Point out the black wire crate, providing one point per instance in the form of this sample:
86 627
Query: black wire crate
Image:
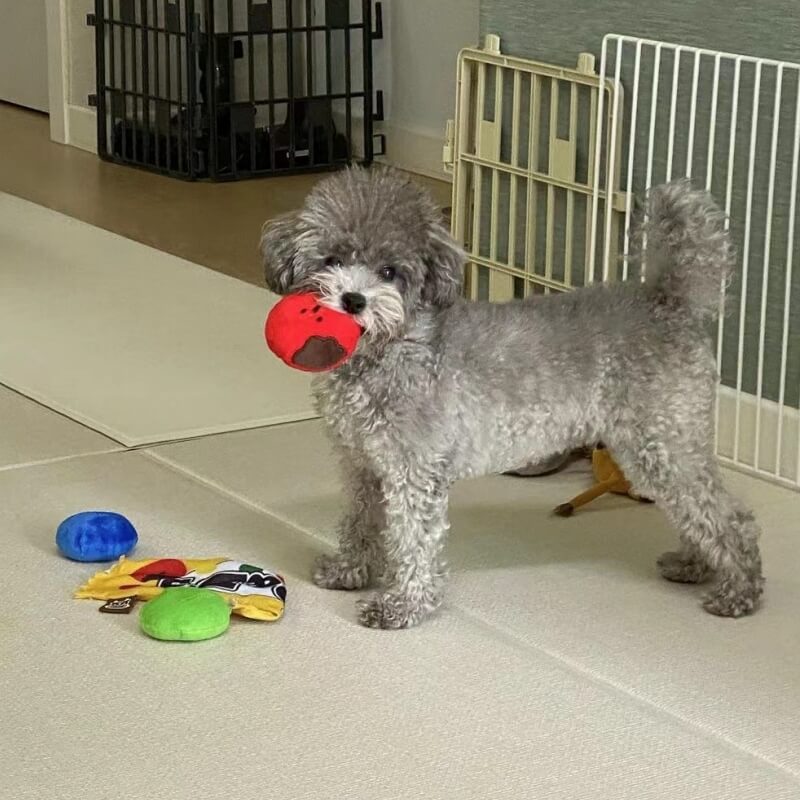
232 89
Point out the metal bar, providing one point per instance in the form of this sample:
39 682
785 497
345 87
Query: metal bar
692 115
146 80
728 198
569 221
251 84
712 129
515 272
588 257
157 89
290 80
211 89
515 112
168 82
539 177
123 55
231 93
651 143
179 74
765 264
550 209
676 66
706 52
309 80
477 179
530 67
475 243
653 114
746 257
611 166
100 40
271 92
461 172
135 33
788 288
329 88
368 87
531 199
190 43
348 109
637 62
598 146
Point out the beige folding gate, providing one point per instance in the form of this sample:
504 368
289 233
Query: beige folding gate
522 150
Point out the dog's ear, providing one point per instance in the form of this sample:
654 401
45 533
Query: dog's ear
444 262
278 249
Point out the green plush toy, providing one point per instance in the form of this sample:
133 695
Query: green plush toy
185 614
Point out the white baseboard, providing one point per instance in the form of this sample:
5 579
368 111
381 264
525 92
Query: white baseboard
415 151
82 128
408 149
745 455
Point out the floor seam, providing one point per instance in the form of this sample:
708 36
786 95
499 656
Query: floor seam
61 459
500 631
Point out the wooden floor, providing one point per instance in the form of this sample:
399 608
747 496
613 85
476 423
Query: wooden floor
214 224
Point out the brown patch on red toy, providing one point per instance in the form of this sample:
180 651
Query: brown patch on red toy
309 336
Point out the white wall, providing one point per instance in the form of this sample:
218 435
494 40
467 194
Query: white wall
423 38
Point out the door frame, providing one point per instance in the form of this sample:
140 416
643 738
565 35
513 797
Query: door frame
75 125
57 74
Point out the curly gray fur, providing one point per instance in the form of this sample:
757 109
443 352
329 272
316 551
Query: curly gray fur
689 255
440 389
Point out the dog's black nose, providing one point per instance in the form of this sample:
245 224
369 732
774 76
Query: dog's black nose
354 302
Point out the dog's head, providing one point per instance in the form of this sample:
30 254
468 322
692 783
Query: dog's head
369 242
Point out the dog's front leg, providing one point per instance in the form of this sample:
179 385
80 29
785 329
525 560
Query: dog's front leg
415 532
359 557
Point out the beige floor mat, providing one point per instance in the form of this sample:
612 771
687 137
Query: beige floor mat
137 344
583 589
312 706
32 434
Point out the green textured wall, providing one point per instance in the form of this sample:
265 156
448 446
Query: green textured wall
557 30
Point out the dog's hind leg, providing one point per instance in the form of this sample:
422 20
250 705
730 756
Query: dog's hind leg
718 535
686 565
359 559
415 532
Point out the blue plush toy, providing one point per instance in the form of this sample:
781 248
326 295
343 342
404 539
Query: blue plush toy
96 536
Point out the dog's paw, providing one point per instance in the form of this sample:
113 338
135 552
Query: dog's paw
680 568
337 572
389 610
734 598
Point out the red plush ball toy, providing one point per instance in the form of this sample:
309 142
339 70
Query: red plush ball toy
310 336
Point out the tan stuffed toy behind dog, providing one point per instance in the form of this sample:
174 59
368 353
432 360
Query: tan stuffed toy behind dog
608 477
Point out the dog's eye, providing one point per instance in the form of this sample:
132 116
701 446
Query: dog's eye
387 273
333 261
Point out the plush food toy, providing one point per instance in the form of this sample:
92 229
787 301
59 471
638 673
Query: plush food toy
249 591
309 336
608 478
185 615
96 536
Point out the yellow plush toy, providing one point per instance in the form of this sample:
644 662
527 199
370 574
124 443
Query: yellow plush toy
250 591
608 477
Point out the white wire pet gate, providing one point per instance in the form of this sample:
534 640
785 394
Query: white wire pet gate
536 149
731 122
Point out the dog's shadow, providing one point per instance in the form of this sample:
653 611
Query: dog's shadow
614 530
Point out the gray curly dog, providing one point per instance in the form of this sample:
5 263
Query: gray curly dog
441 389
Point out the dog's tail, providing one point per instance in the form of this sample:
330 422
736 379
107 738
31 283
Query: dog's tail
688 253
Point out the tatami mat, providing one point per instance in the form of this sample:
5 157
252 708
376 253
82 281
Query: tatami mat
583 589
32 433
312 706
137 344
